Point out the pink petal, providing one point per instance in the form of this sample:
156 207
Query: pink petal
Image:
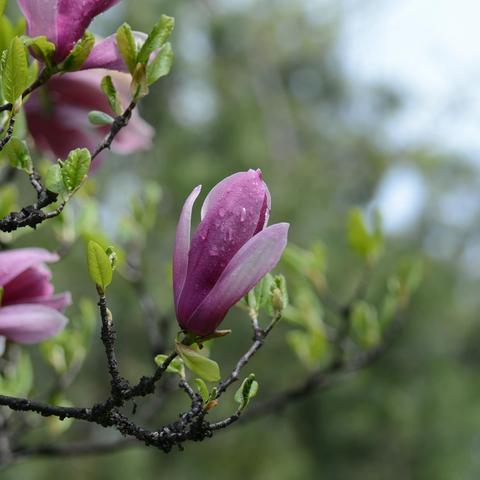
14 262
182 244
33 282
30 323
73 18
58 302
135 137
253 261
41 17
105 54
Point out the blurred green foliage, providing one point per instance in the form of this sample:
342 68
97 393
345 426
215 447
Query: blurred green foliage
263 87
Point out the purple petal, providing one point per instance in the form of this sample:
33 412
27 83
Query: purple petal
182 245
253 261
14 262
33 282
30 323
231 216
41 16
135 137
64 126
73 18
58 302
105 54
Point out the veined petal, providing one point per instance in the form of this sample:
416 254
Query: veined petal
182 245
41 16
231 216
253 261
30 323
14 262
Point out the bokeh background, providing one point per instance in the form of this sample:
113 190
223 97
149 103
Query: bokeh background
341 103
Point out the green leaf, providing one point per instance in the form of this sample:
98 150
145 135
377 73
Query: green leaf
247 391
18 380
15 71
259 296
42 48
7 32
197 363
126 46
364 325
311 263
202 389
110 91
54 179
367 244
75 168
158 36
176 365
139 87
18 155
161 64
99 265
8 200
96 117
311 346
3 4
79 54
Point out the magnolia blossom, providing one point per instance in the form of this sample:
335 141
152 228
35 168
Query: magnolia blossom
57 115
230 251
29 310
64 22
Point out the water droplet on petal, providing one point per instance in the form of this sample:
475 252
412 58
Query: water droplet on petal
221 212
243 214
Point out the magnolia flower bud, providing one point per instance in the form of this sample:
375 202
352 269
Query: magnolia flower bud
231 250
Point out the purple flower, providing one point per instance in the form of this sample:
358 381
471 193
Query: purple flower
57 115
63 22
29 310
231 250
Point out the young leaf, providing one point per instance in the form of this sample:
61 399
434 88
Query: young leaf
75 168
202 389
176 365
279 294
99 265
126 46
18 155
7 32
158 36
247 391
365 327
15 71
54 179
139 87
161 64
96 117
110 91
79 54
42 48
367 244
3 4
197 363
